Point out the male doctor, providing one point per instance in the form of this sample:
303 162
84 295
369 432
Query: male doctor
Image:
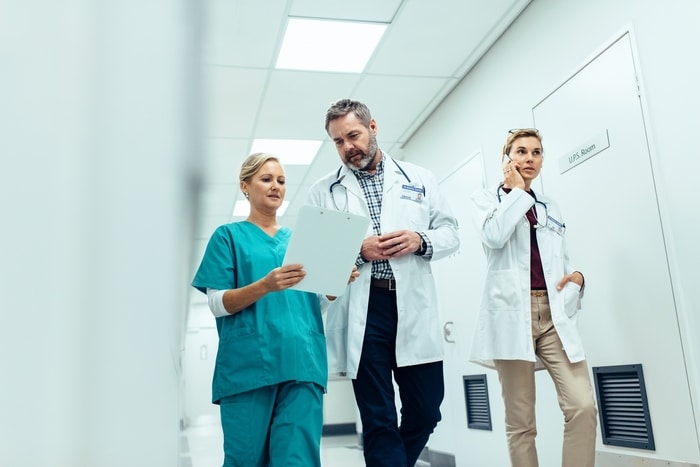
387 320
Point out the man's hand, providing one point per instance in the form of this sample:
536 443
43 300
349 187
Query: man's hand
391 245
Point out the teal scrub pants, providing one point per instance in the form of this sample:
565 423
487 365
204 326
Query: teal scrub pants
274 426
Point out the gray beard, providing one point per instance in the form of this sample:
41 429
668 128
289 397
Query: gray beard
368 158
364 162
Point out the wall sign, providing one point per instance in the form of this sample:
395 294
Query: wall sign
584 151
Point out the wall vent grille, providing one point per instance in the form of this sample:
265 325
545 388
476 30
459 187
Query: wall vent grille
476 395
623 406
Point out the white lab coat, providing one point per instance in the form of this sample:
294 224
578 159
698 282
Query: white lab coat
503 329
419 333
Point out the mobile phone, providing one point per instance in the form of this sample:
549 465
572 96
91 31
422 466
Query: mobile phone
516 167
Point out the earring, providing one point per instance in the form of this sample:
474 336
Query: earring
245 194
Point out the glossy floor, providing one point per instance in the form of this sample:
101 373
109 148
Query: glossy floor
202 447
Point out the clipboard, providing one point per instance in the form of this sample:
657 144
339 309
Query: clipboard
326 242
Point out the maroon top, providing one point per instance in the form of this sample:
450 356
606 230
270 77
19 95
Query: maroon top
537 281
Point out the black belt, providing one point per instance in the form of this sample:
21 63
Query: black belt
384 283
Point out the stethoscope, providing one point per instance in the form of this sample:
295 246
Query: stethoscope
533 209
339 179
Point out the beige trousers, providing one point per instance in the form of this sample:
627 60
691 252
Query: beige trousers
574 391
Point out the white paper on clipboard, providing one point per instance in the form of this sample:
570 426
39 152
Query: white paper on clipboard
327 243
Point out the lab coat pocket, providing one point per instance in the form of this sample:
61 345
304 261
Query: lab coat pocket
417 213
571 298
503 291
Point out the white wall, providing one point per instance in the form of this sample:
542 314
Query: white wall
96 202
548 43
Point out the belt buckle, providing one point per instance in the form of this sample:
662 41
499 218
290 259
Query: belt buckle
392 284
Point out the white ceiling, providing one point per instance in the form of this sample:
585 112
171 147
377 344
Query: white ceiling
426 50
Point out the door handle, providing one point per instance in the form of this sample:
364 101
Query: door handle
447 332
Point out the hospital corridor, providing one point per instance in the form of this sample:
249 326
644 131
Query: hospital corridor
124 128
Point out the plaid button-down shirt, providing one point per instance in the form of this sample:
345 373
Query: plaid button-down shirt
373 186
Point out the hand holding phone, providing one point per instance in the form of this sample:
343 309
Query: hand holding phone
508 169
510 164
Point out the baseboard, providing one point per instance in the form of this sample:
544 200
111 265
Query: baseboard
610 459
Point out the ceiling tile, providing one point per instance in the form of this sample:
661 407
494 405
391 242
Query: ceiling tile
434 38
357 10
397 100
294 174
326 161
295 103
242 32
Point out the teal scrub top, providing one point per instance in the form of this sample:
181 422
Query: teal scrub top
276 339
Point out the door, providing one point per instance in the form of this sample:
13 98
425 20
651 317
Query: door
597 166
460 280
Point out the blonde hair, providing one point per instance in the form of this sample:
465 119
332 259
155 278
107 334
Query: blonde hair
519 133
253 163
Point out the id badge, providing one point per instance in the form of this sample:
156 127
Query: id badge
555 225
413 192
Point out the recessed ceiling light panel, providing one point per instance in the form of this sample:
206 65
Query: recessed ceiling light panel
289 151
323 45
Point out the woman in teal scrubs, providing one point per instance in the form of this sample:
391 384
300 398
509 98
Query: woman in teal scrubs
271 369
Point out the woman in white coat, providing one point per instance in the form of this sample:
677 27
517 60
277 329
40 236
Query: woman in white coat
528 314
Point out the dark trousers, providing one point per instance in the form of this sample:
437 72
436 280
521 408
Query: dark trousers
421 390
